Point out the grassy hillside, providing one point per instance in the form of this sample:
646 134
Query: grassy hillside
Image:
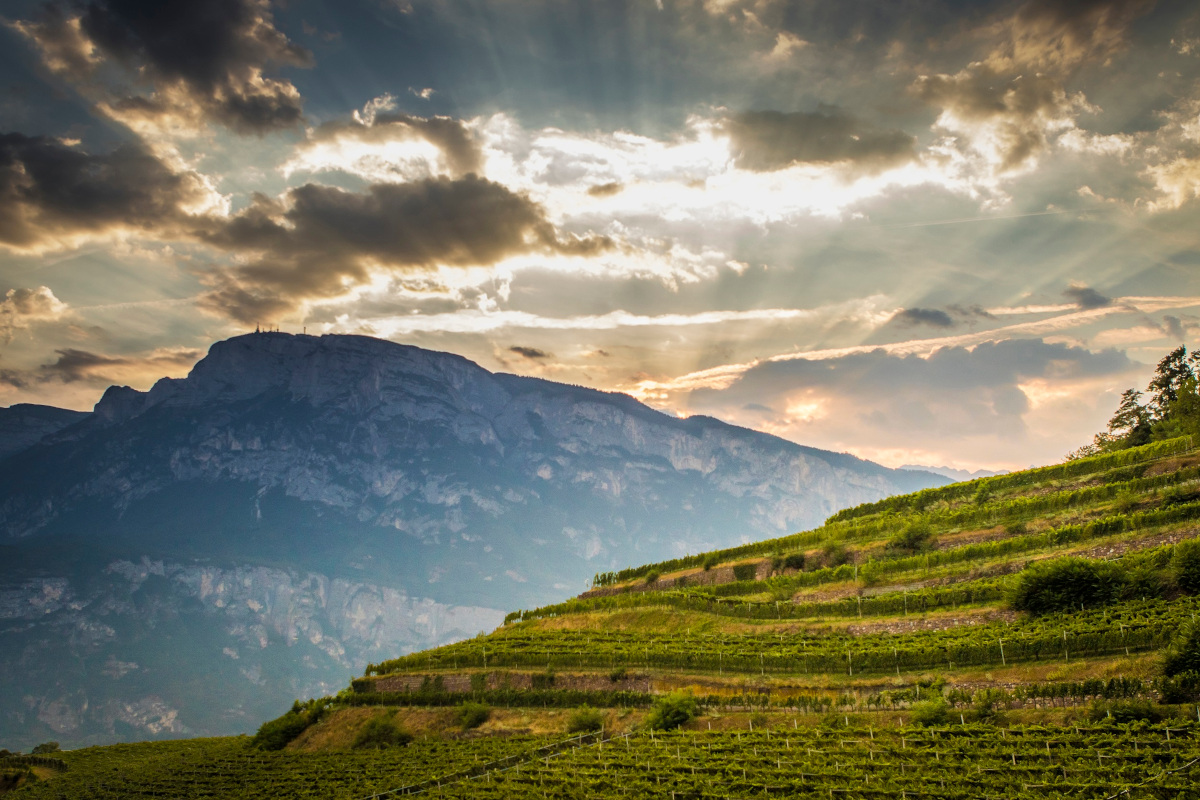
1027 635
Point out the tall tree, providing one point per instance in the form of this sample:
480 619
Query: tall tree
1169 377
1131 424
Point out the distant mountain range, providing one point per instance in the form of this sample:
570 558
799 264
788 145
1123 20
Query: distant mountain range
190 559
956 475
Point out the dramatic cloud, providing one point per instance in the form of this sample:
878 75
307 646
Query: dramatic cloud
53 195
1008 120
21 307
923 316
1062 34
912 405
381 146
1086 297
320 241
82 366
769 140
202 58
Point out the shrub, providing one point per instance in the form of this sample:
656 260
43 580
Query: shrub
672 710
745 572
617 675
543 681
793 561
472 715
584 720
1184 653
652 577
1185 566
1125 711
45 747
834 555
759 720
984 704
275 734
930 712
379 733
1066 584
914 537
710 562
1182 688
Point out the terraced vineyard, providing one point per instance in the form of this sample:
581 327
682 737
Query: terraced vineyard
1026 635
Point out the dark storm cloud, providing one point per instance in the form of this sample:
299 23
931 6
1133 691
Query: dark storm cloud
923 316
212 54
449 135
1086 297
771 140
49 191
529 352
320 239
78 365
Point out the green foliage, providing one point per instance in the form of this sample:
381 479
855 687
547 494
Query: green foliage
915 537
472 715
1183 655
930 712
711 561
617 675
672 710
835 554
745 572
381 732
544 680
1185 566
652 577
1124 711
45 747
584 720
1181 688
1066 584
275 734
793 561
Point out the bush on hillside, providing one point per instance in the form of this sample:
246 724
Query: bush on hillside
1184 653
45 747
672 710
710 562
931 712
793 561
1185 566
472 715
652 577
915 537
745 572
275 734
1066 584
834 555
1181 688
584 720
379 733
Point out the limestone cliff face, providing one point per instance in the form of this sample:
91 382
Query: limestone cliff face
300 505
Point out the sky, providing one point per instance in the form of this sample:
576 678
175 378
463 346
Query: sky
923 232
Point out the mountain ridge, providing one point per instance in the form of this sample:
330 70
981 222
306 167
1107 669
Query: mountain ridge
305 461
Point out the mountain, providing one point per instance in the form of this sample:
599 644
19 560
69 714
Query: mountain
956 475
181 561
23 425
